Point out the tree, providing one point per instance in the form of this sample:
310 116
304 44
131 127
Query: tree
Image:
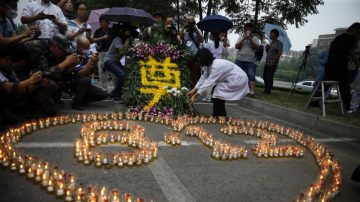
280 12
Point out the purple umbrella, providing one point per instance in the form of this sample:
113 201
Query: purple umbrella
94 18
126 14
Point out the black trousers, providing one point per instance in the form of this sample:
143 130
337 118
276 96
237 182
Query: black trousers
84 92
268 76
342 76
218 107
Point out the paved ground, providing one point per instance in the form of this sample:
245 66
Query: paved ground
186 173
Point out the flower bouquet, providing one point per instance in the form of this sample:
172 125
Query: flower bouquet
158 79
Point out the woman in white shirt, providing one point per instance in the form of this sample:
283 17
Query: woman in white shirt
219 50
230 81
216 46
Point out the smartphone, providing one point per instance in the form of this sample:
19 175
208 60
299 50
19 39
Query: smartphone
50 17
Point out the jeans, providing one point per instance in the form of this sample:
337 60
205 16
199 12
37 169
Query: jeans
101 70
268 76
248 67
118 70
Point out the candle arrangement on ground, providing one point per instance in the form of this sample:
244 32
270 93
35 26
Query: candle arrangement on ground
93 133
220 149
267 146
172 139
120 133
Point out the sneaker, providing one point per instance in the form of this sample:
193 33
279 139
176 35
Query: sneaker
350 111
118 100
252 94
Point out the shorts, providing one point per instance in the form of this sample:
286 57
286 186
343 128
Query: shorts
248 67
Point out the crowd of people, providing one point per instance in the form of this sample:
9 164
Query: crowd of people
58 55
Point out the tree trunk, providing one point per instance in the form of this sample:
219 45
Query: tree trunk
178 14
200 10
256 12
210 3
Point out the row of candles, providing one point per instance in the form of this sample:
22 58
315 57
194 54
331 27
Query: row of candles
321 189
59 182
267 146
220 150
132 136
172 138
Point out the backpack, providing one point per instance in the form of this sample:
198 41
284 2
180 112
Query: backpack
259 53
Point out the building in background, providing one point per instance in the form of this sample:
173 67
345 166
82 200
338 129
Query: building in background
324 40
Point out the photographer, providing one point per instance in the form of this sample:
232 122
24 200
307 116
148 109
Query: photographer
171 32
245 56
117 49
192 38
55 58
80 83
21 99
47 16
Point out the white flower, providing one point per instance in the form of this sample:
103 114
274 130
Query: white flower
173 89
184 89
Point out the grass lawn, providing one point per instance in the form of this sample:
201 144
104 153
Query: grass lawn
298 101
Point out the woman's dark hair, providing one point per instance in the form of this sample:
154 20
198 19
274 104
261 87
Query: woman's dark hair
78 3
275 31
248 25
103 18
205 56
216 35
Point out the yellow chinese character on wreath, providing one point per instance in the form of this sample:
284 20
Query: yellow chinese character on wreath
156 76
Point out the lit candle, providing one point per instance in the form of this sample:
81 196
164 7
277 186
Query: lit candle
21 168
68 195
50 184
72 182
30 173
45 178
115 196
60 188
79 194
103 195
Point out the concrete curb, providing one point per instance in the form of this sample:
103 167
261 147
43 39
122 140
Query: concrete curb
309 121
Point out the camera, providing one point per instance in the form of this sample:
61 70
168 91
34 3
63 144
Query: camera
190 25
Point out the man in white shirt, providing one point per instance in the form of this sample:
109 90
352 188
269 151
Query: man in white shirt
47 16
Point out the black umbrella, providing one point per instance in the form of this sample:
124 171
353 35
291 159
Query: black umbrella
126 14
215 22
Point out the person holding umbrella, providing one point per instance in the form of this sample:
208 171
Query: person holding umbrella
274 51
230 81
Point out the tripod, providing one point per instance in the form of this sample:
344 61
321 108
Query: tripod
306 54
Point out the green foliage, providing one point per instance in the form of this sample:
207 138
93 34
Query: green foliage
280 12
288 69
